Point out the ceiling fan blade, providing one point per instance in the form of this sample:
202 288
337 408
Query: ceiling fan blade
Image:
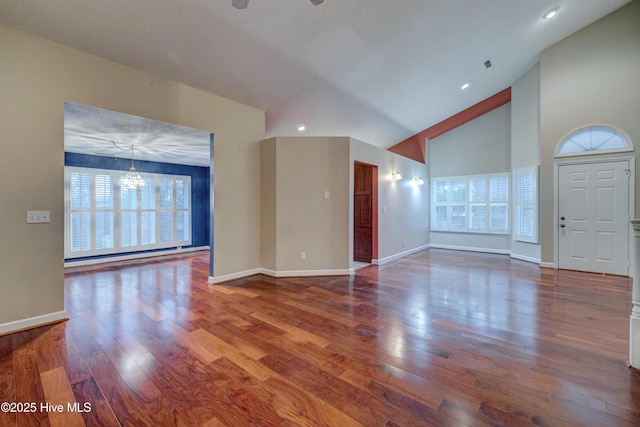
240 4
316 2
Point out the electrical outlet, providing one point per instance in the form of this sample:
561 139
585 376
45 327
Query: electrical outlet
404 242
303 256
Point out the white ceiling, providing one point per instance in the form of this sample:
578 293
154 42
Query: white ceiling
376 70
92 130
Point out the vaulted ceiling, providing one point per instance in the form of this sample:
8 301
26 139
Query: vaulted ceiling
377 70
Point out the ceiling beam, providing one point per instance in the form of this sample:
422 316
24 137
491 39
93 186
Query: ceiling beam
414 146
411 148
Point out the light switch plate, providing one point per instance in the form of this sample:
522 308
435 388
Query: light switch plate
38 217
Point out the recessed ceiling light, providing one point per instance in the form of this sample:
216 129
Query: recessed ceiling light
464 86
302 128
551 13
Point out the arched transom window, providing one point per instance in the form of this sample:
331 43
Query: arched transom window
594 140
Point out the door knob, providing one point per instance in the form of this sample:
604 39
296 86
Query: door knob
562 225
562 218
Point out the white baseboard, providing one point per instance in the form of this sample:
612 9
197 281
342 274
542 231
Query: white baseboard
525 258
279 274
32 322
472 249
384 260
133 256
232 276
308 273
350 271
547 265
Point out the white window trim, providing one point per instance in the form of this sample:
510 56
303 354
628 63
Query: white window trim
534 237
117 249
467 229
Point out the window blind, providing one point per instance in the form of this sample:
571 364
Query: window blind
103 218
474 203
526 204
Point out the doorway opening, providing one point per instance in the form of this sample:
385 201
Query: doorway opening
107 221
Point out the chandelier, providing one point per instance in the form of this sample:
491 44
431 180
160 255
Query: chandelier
132 180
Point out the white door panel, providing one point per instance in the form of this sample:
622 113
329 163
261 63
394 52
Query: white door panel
593 217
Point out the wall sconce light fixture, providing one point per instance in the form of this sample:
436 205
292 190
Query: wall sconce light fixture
395 176
418 181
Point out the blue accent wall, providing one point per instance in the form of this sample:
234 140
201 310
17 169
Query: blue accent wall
199 185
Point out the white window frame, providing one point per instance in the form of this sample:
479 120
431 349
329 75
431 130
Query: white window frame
529 200
466 205
587 151
151 179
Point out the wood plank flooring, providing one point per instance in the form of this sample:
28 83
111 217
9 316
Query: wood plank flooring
439 338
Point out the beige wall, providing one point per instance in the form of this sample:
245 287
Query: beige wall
477 147
480 146
591 77
268 171
525 120
296 215
403 209
525 140
296 171
36 78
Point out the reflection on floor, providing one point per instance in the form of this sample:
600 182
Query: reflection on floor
437 338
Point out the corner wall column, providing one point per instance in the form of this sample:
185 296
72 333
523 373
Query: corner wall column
634 337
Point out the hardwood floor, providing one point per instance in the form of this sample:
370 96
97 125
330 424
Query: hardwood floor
439 338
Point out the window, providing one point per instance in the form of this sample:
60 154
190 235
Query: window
525 216
594 140
103 218
478 203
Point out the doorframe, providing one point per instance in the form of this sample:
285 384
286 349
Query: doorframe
556 204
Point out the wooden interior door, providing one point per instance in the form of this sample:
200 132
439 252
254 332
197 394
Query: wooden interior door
363 212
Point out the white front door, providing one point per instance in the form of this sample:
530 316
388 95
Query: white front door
593 217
